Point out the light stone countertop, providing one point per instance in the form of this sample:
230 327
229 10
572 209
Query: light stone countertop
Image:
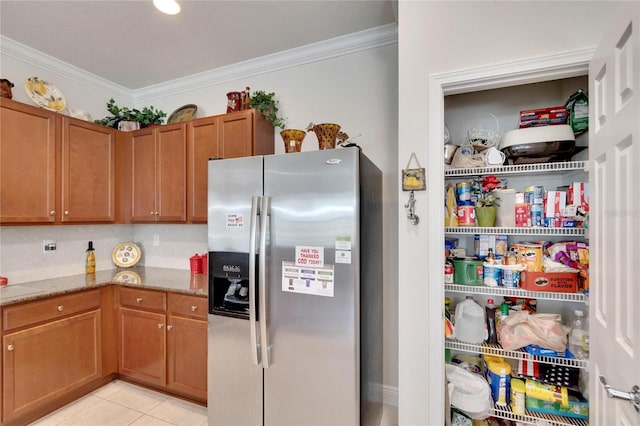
175 280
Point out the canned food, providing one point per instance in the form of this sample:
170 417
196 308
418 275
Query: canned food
466 214
510 277
492 275
464 191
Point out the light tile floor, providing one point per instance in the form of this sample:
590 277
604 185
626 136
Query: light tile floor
120 403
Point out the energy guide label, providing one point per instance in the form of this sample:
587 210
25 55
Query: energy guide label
307 280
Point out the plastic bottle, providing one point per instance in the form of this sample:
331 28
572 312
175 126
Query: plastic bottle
577 335
470 322
492 335
504 312
90 263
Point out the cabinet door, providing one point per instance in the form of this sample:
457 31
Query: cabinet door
236 134
142 346
88 166
45 362
143 176
187 356
27 164
202 137
171 172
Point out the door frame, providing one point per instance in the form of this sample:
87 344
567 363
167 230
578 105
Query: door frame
525 71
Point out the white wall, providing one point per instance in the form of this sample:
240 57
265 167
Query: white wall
356 90
443 36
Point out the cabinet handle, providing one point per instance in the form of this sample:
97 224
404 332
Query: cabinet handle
139 299
194 308
152 213
169 327
160 325
66 212
10 347
60 308
52 213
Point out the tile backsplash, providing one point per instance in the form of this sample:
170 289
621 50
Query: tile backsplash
22 256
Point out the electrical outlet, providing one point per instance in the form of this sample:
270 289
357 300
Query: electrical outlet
49 246
156 240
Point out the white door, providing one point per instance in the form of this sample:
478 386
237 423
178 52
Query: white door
614 167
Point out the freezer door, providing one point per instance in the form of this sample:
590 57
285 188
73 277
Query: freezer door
232 183
312 374
234 385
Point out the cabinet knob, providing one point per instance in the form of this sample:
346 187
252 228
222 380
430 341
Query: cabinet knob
194 308
152 213
169 327
160 325
60 308
139 299
52 213
66 212
10 347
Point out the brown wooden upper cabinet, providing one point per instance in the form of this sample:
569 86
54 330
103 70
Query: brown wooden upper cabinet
54 169
158 174
238 134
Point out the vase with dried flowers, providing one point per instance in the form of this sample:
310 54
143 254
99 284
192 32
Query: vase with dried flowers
488 202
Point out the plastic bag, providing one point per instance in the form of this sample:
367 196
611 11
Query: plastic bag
522 328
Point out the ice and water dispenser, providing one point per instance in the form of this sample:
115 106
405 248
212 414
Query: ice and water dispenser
229 284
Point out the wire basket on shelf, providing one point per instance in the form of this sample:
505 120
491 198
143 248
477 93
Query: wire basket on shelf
483 132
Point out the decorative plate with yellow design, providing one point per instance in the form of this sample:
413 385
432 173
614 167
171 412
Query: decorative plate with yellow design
126 255
45 94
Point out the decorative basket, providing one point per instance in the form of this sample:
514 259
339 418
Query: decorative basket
484 132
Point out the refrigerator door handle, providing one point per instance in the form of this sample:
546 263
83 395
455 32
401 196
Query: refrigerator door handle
255 212
265 211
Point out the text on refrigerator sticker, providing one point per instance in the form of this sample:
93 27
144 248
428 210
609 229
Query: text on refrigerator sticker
343 250
307 280
235 220
310 256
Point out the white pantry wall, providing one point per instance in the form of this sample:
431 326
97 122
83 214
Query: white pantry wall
446 36
358 90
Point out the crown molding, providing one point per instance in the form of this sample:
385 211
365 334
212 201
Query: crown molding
26 54
327 49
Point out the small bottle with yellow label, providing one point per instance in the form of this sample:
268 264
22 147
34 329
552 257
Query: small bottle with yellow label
90 264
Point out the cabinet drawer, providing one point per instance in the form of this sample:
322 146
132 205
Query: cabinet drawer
143 299
49 309
192 306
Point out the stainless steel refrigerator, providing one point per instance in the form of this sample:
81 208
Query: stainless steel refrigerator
295 289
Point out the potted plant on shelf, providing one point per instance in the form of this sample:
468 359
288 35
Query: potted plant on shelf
267 104
488 202
146 116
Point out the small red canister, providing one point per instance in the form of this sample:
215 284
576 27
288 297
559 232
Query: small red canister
3 281
205 263
196 264
466 214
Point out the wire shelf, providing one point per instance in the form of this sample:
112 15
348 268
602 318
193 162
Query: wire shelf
537 168
579 232
517 292
519 354
504 412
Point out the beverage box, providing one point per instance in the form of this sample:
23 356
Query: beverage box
578 406
555 282
543 116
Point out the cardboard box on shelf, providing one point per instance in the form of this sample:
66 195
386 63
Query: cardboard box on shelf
555 282
484 242
506 214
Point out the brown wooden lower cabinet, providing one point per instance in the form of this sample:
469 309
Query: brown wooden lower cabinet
164 343
57 349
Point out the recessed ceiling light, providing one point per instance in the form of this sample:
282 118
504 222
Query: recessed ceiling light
170 7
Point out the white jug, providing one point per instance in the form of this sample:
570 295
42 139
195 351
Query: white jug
470 322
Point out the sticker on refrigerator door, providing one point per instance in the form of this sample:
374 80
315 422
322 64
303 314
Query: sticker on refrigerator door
307 280
310 256
235 220
343 250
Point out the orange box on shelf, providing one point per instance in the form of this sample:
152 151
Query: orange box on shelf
556 282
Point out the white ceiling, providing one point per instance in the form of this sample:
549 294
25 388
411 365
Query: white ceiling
132 44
